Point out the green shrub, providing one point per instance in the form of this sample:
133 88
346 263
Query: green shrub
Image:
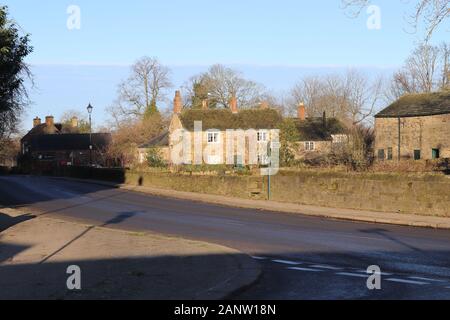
154 158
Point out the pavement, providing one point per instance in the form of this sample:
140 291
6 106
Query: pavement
35 253
301 256
395 218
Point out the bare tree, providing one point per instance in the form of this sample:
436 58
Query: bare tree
426 70
351 97
431 13
220 83
140 94
83 122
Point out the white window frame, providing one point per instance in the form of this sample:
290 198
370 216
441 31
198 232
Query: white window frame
310 146
213 137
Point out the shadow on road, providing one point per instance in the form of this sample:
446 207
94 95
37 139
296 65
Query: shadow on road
7 221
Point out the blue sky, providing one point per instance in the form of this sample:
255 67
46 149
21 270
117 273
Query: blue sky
268 40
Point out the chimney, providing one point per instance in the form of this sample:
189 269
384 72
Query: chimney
49 121
233 104
205 104
301 112
74 122
264 105
177 103
36 122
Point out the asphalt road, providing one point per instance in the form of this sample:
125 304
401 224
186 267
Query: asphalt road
302 257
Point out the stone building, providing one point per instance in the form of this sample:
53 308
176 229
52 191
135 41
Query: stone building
417 126
317 136
221 136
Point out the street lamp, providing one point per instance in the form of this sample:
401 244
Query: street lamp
89 110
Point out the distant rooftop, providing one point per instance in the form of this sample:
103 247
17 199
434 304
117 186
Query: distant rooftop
417 105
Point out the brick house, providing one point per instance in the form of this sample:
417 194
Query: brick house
51 144
417 126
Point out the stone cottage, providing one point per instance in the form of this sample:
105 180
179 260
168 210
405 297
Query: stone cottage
221 136
318 136
417 126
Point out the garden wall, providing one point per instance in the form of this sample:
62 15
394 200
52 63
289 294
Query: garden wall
402 193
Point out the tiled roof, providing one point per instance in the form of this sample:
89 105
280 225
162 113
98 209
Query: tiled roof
416 105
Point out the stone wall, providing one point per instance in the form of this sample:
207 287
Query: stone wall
416 133
424 195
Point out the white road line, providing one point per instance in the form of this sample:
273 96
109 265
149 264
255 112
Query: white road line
286 262
304 269
348 274
426 279
323 266
381 273
259 258
407 281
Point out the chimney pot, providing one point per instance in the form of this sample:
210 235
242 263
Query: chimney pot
36 122
301 112
177 103
233 104
49 120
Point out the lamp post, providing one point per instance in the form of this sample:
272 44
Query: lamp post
89 109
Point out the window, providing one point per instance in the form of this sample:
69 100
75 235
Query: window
262 136
417 155
213 137
435 153
381 154
390 154
310 146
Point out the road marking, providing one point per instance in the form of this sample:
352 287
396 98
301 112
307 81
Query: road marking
287 262
381 273
259 258
348 274
407 281
322 266
426 279
304 269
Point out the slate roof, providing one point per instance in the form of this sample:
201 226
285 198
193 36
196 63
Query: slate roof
314 129
223 119
67 142
160 141
416 105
